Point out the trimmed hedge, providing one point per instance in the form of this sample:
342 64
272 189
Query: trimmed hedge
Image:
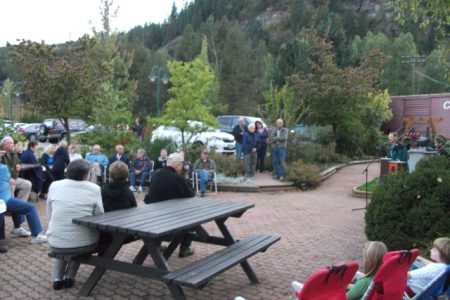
410 210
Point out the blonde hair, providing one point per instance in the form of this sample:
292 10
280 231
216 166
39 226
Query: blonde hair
373 257
442 245
118 171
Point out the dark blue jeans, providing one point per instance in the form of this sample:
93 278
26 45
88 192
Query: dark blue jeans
238 151
19 209
143 177
203 177
278 158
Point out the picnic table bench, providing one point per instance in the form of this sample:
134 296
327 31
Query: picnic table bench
172 220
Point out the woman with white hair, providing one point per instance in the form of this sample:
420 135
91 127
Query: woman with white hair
250 144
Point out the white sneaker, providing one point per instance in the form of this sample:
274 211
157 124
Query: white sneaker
20 232
132 189
140 189
40 238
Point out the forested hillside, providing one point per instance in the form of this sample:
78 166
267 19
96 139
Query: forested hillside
257 45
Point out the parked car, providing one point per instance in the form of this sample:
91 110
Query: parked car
18 125
30 131
53 130
222 142
227 123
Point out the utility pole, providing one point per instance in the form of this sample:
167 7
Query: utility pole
413 60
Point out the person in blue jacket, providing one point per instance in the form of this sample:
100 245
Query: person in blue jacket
250 144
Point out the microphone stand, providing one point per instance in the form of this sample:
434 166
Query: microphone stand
366 170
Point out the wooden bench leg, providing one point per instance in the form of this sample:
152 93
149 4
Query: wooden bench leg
229 238
95 276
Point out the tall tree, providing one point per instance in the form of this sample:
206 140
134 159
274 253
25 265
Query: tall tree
341 97
191 85
58 79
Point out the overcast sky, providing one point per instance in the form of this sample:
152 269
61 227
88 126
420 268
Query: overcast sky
56 21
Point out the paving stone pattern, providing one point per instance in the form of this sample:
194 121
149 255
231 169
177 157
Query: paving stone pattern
317 228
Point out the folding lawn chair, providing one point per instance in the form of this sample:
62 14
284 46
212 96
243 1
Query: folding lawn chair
389 282
439 286
328 283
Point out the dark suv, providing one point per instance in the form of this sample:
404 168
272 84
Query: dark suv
227 123
53 129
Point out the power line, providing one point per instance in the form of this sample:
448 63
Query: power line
432 79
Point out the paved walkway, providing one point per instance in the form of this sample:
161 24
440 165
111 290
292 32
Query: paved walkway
317 227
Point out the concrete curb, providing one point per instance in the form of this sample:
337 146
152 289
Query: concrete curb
360 194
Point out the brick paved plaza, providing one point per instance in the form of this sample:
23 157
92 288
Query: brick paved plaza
317 228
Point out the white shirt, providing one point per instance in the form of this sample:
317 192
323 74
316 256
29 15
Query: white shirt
422 276
75 156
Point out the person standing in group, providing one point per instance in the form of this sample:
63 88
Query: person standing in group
263 135
250 145
168 183
60 161
238 133
34 174
278 139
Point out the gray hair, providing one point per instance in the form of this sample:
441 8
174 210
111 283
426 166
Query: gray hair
78 170
141 151
5 139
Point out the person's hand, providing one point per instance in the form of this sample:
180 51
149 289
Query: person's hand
253 150
138 172
18 167
12 181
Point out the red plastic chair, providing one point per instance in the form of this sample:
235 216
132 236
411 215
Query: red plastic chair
389 282
328 283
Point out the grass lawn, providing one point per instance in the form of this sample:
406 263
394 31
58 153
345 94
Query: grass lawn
371 185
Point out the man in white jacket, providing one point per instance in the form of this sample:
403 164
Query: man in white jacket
74 197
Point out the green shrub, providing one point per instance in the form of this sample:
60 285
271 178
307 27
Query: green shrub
301 174
108 139
227 165
310 152
410 210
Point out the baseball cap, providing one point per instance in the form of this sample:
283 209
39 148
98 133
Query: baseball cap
175 157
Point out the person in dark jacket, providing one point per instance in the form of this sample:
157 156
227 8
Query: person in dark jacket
442 146
263 135
116 194
46 161
238 133
249 148
119 155
141 166
161 162
33 174
138 128
61 160
167 184
398 151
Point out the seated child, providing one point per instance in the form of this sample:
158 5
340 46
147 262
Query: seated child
373 253
440 257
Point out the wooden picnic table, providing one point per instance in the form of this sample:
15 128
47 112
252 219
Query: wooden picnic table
172 220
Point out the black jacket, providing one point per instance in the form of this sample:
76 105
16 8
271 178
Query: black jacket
238 133
117 195
166 184
60 160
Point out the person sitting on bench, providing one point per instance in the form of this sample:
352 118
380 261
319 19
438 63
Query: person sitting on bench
70 198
